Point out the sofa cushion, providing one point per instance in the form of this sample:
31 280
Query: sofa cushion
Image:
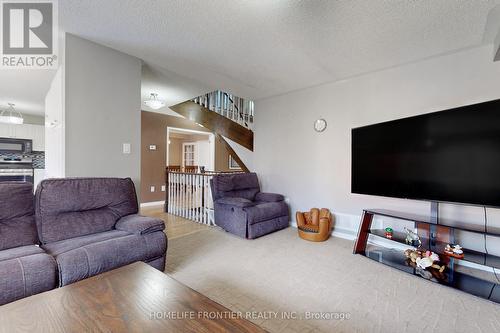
21 251
266 211
76 263
17 220
241 185
66 245
25 276
73 207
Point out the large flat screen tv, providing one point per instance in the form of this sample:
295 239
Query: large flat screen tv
446 156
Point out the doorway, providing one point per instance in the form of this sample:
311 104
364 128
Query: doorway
190 150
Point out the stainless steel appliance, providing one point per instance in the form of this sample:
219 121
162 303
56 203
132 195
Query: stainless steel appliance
10 145
16 169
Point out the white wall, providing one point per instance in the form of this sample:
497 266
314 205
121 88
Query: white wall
54 129
246 155
313 169
102 111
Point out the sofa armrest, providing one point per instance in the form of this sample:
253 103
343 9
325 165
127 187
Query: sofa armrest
269 197
139 225
235 202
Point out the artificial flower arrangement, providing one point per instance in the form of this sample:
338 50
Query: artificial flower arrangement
426 264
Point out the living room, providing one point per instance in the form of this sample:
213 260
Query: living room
332 169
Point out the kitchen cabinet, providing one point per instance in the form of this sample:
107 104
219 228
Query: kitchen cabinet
25 131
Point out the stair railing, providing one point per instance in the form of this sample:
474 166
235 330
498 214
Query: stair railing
232 107
188 195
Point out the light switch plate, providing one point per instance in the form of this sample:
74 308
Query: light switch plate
153 188
126 148
163 188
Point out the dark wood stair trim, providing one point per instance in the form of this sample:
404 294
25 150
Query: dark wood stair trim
215 122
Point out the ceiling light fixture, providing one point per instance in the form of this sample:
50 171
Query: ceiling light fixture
11 116
154 102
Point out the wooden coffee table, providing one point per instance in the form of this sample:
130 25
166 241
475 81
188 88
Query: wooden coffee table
134 298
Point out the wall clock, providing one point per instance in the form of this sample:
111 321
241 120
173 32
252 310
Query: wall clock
320 125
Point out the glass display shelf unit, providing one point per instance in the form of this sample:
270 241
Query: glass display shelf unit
473 281
474 273
476 257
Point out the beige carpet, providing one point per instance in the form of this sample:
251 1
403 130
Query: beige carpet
284 274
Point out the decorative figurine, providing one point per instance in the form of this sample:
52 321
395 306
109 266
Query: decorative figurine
454 250
412 238
388 232
424 260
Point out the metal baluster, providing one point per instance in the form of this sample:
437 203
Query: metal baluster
197 203
200 207
193 196
169 193
226 105
234 116
174 190
209 202
219 107
172 195
231 105
176 194
178 184
186 195
190 197
203 200
237 109
198 198
184 189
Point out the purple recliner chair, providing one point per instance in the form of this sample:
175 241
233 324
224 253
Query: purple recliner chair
241 209
91 225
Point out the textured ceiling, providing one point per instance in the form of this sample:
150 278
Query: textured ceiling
259 48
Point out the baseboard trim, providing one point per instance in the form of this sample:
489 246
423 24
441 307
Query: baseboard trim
153 203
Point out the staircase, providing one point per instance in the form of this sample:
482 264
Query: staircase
188 194
227 105
223 114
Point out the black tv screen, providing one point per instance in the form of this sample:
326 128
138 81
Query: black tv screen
447 156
